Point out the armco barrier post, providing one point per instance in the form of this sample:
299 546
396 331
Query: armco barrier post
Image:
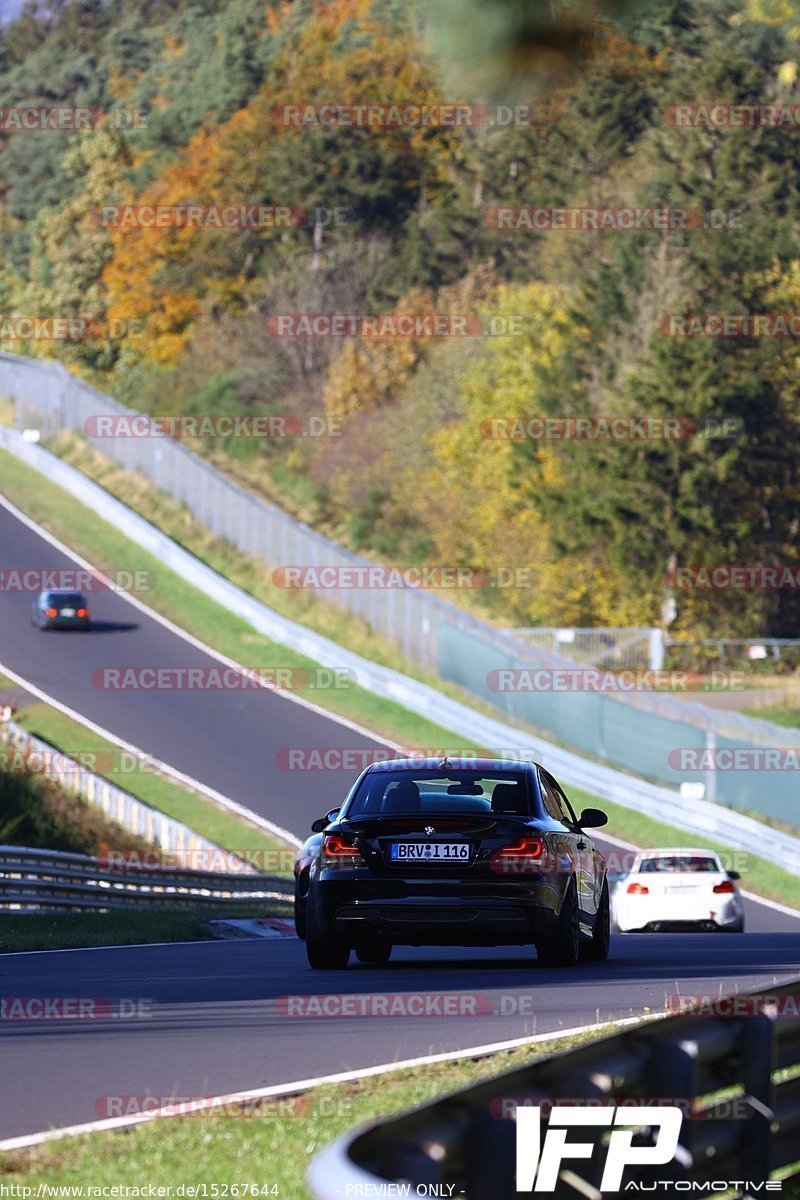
711 774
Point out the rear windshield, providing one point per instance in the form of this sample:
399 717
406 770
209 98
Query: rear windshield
65 599
392 793
680 862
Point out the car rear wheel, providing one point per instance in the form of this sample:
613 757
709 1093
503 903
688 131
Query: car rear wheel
374 952
596 949
564 950
327 953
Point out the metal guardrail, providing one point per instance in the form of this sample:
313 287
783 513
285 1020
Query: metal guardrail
32 880
724 825
711 1066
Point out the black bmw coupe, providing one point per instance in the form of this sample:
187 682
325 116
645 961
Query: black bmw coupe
468 852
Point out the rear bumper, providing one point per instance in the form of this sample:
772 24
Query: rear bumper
672 916
64 623
427 920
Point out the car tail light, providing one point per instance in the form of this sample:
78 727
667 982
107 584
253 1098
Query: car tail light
337 852
51 612
638 889
83 612
725 888
528 854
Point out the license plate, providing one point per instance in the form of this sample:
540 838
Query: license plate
67 612
681 891
422 852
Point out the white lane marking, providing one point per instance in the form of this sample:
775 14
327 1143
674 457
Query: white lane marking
124 946
781 908
188 637
302 1085
170 772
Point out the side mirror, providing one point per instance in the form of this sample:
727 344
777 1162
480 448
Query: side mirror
323 822
734 875
592 818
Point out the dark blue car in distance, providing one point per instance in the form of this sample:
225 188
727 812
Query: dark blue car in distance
60 609
463 852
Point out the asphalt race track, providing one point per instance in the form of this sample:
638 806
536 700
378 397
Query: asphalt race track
212 1020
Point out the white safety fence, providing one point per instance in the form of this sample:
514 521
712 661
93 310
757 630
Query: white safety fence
607 646
723 825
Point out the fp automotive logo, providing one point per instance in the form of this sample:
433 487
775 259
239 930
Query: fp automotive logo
539 1159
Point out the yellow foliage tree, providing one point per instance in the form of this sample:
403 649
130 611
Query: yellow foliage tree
256 152
480 498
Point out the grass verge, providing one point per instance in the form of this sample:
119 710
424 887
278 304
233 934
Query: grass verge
65 931
270 1149
170 595
788 717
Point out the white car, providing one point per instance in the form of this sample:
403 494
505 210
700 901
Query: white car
677 889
